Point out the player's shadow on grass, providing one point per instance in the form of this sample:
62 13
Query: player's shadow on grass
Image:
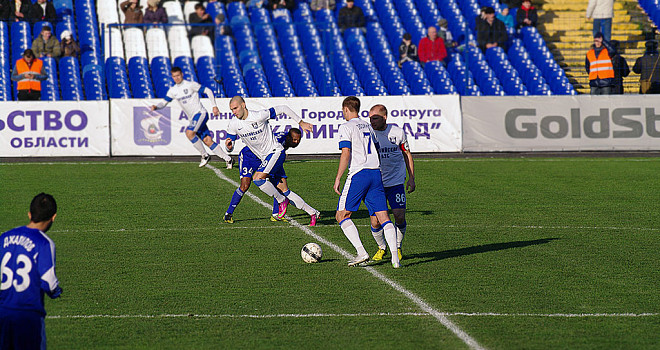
453 253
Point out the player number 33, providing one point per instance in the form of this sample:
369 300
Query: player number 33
23 272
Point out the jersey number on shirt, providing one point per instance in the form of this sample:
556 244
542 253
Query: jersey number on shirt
22 272
368 135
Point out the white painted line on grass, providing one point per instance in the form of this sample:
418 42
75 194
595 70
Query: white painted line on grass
380 314
466 338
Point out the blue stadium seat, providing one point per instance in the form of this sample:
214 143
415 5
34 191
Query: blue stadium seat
94 83
63 8
70 82
21 39
49 87
140 79
161 75
207 73
5 64
66 23
116 77
419 84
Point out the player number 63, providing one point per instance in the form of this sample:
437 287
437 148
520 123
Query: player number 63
23 273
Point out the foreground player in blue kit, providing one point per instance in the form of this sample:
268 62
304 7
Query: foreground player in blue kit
248 163
256 133
187 94
359 153
28 272
395 159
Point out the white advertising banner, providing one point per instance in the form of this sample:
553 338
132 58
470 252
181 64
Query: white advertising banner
432 123
561 123
54 129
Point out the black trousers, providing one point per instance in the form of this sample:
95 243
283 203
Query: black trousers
29 95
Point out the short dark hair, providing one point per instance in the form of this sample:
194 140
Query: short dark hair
489 10
295 131
200 6
46 29
42 208
176 69
407 36
28 53
352 103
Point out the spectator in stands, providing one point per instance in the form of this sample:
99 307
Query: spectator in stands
351 16
46 44
621 69
479 20
407 50
68 46
221 28
19 10
432 47
649 68
602 12
5 10
28 72
316 5
132 12
526 15
200 17
492 32
154 13
598 64
282 4
42 11
506 18
445 34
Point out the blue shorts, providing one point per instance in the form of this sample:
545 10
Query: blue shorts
396 196
22 329
366 185
273 165
198 125
248 163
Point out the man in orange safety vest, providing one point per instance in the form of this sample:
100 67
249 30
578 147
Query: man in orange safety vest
598 64
29 72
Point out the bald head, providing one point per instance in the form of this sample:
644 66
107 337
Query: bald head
237 107
378 117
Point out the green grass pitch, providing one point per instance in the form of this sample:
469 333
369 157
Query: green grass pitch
539 253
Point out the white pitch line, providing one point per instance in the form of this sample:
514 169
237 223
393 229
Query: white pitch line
466 338
380 314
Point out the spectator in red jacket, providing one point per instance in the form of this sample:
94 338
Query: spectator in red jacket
526 15
432 47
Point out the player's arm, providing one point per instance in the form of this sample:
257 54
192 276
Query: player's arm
166 100
410 167
46 267
210 96
345 158
232 135
277 110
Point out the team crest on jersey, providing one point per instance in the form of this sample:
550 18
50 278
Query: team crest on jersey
392 139
151 128
185 91
255 125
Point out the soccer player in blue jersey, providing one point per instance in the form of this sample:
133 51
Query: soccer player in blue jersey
359 153
395 160
28 272
186 93
249 163
256 133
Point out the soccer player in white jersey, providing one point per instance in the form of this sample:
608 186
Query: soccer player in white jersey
187 94
256 133
28 272
395 160
359 153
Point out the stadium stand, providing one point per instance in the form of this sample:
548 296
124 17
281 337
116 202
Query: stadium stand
282 53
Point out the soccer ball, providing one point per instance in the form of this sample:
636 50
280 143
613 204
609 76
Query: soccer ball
311 253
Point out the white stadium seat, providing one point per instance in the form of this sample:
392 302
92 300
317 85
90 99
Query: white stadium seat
134 43
178 40
157 43
117 43
174 13
107 12
202 46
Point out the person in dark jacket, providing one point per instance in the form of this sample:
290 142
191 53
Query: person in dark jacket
282 4
19 10
492 32
5 10
649 67
407 50
154 13
621 69
598 64
200 17
526 15
351 16
132 12
42 11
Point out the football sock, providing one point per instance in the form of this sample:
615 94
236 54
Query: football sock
378 236
299 203
401 231
220 152
235 199
267 187
197 143
276 208
351 232
390 237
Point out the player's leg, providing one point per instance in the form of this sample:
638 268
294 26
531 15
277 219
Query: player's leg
22 330
377 233
396 197
276 206
377 204
349 201
401 225
191 134
272 161
297 201
204 134
246 170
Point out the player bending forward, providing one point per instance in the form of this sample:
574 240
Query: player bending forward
248 163
395 159
187 94
254 130
359 152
